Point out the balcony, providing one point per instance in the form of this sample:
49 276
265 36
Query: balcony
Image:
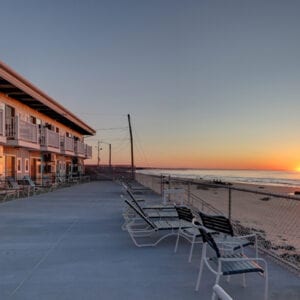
2 126
20 133
88 151
67 145
79 149
50 140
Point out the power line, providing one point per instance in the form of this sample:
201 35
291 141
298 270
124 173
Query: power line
99 114
112 128
140 147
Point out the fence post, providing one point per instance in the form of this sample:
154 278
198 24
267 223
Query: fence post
189 192
161 184
229 204
169 182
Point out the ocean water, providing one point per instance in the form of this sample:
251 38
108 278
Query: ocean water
279 178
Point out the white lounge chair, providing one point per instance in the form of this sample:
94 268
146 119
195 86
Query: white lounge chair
143 227
191 234
224 235
232 264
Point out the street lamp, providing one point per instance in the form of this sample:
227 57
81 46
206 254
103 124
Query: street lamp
99 148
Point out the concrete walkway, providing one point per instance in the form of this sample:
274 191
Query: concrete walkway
68 244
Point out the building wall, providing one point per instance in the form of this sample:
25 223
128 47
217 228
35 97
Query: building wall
24 112
27 160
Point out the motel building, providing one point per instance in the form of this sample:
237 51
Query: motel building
38 136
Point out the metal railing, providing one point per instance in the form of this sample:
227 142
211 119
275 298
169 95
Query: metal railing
79 148
10 128
88 151
50 138
2 122
67 143
21 130
274 217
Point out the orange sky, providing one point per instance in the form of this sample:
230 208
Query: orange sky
280 158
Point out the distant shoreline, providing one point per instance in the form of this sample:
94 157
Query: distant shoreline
289 180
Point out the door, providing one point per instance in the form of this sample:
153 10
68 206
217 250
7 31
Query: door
35 169
10 121
10 166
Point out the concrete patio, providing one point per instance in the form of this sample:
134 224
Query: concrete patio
68 244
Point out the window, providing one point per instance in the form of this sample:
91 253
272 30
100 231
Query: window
32 120
49 126
26 165
19 165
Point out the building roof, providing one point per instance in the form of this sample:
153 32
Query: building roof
17 87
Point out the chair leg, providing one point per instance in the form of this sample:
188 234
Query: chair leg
201 267
192 248
177 242
199 275
266 282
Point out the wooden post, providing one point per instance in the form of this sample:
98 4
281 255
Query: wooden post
169 196
161 184
110 155
229 204
189 192
131 144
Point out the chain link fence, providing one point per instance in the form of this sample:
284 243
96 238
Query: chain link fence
275 218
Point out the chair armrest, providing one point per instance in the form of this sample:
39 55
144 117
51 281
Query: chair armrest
196 223
228 259
246 236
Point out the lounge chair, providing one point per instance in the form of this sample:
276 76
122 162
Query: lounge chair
226 239
35 189
191 234
61 182
135 187
129 214
232 264
14 186
6 194
146 228
156 211
145 206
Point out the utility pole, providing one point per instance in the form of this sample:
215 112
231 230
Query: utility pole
131 143
110 155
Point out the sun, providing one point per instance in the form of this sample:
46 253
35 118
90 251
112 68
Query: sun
297 169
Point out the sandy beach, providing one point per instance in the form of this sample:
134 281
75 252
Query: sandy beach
275 219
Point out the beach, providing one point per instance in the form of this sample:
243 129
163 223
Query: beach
275 219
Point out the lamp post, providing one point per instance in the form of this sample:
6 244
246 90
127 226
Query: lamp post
99 149
109 157
98 158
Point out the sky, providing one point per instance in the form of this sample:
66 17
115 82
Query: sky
208 84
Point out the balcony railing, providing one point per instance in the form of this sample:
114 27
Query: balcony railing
17 129
50 138
67 144
79 148
2 133
88 151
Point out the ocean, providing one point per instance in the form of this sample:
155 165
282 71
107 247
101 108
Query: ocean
278 178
